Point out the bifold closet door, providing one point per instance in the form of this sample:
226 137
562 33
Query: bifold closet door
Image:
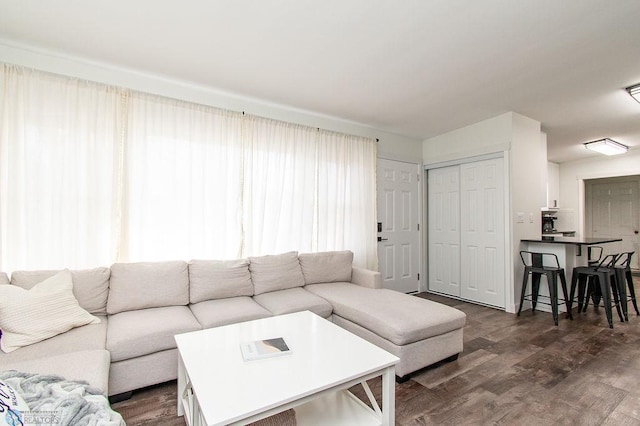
444 230
482 232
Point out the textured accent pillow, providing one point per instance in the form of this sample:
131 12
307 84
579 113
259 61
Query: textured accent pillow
46 310
90 286
219 279
148 285
326 267
275 272
3 278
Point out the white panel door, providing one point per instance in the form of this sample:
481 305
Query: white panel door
615 212
444 230
482 232
398 214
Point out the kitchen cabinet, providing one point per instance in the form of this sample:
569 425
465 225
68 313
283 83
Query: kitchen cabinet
553 185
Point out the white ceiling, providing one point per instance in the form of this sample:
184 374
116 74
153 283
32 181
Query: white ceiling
413 67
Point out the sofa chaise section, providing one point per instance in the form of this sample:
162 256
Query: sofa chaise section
420 332
77 354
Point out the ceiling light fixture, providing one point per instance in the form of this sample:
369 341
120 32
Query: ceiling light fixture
634 91
607 147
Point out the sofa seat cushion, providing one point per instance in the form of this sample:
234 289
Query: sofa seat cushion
294 300
87 337
91 366
397 317
217 312
145 331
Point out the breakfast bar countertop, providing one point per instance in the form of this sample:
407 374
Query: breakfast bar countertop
576 241
581 241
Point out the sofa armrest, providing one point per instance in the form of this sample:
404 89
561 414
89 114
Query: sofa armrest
366 277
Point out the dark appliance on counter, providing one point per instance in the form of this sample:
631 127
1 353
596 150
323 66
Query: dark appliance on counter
549 223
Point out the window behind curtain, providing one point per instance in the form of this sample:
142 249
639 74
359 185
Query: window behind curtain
91 174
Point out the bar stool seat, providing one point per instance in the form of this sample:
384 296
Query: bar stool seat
534 266
602 283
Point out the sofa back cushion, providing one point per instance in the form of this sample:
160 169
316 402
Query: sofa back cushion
275 272
326 267
219 279
90 286
148 285
47 309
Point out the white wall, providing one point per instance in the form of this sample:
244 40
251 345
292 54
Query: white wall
391 146
573 174
486 137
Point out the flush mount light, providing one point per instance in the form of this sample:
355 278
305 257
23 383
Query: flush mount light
606 147
634 91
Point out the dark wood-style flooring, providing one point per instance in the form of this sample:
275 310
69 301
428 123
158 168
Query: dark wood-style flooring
513 371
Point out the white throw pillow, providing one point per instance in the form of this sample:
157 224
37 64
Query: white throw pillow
46 310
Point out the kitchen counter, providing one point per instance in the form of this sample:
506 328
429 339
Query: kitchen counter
577 241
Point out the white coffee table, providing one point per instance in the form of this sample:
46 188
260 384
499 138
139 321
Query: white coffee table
217 387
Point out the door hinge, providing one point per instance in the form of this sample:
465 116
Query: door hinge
418 177
418 227
418 277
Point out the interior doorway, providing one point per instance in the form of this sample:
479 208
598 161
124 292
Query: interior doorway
612 209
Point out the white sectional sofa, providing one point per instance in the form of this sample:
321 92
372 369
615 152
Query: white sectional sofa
141 307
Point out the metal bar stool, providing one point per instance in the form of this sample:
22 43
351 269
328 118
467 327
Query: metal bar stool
605 275
623 273
534 266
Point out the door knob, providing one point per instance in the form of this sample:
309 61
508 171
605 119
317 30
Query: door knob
382 239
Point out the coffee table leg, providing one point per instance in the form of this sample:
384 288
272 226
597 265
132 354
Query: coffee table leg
182 382
389 396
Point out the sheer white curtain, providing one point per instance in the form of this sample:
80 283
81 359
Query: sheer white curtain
58 154
182 175
279 187
91 174
308 190
346 196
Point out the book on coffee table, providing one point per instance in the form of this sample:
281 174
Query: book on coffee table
267 348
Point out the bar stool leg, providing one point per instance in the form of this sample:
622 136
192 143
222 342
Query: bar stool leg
583 299
567 300
632 290
535 289
524 288
574 283
605 291
552 282
615 289
622 293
